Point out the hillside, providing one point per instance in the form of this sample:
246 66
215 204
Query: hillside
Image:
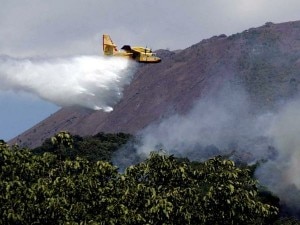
264 60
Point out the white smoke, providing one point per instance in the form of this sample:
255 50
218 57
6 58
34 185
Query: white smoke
285 130
90 81
281 175
222 122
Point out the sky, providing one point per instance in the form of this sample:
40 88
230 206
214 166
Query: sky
36 28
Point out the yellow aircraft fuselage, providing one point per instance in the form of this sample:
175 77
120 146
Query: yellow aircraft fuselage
140 54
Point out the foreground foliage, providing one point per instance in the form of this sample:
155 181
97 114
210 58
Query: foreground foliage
48 189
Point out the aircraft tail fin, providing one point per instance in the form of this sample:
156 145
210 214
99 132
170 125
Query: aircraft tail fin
109 48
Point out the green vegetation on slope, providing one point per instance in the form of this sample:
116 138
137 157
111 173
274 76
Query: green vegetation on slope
98 147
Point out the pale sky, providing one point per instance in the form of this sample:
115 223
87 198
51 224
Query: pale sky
31 28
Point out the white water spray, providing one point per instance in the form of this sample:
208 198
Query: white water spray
90 81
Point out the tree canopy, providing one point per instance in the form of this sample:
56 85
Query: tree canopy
49 189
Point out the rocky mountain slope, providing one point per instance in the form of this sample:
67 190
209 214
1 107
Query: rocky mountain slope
264 60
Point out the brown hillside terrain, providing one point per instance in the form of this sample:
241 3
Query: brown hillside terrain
264 60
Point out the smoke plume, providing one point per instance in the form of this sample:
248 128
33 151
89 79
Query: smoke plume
220 123
225 123
90 81
281 175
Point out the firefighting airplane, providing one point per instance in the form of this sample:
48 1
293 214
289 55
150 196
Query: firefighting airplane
140 54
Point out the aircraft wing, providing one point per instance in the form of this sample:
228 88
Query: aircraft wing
141 54
127 48
131 51
137 50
